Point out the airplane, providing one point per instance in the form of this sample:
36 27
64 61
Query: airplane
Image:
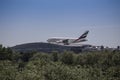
67 41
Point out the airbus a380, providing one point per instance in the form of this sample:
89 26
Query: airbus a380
67 41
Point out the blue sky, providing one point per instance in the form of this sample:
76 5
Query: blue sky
25 21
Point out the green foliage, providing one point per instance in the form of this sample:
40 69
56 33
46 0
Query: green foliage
26 56
5 53
67 58
116 58
60 71
8 70
113 72
99 65
55 56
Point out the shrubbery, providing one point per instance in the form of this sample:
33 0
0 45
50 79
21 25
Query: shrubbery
99 65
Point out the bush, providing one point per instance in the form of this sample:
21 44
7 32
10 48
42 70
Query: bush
99 65
67 58
54 56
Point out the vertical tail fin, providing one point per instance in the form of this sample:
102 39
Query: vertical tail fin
84 35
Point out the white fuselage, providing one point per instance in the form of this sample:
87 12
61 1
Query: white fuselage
67 41
60 40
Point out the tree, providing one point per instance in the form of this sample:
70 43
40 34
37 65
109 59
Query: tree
0 47
55 56
26 56
5 53
67 57
118 47
102 47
